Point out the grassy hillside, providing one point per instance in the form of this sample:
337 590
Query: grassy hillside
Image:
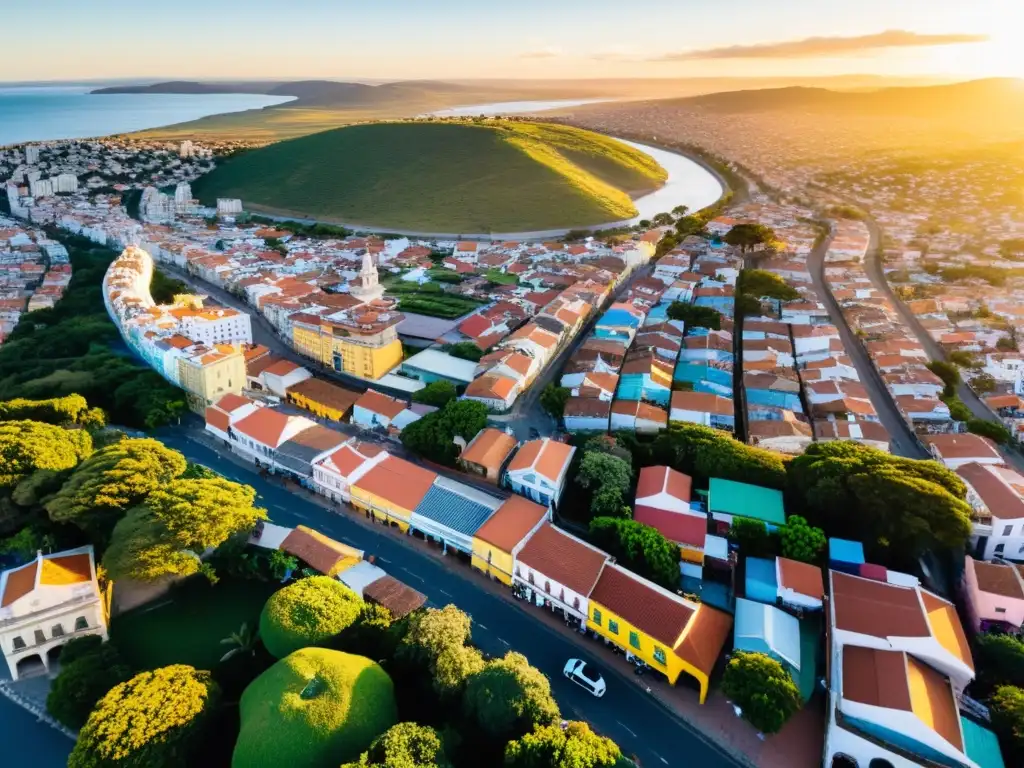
496 176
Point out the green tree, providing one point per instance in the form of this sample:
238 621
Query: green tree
437 393
999 660
1007 709
85 677
113 480
406 745
949 374
465 350
29 446
123 730
694 316
690 225
432 436
964 359
177 524
983 383
553 400
574 746
801 541
752 537
436 642
747 237
638 547
60 411
309 612
762 688
759 283
508 698
608 478
995 432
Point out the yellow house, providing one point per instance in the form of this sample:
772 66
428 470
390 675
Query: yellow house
670 634
362 342
211 373
392 490
498 541
326 400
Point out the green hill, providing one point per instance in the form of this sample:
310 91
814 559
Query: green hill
468 177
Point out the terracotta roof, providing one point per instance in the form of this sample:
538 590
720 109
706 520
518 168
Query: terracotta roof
511 522
996 494
489 448
321 552
963 446
217 418
325 393
69 569
548 457
875 677
674 526
877 609
703 402
492 387
318 438
19 583
400 599
231 402
651 609
264 425
281 368
376 402
802 578
997 579
401 483
707 634
563 558
654 480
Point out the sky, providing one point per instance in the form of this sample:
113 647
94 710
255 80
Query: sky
412 39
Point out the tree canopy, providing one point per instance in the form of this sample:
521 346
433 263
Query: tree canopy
60 411
85 677
437 393
574 746
1007 708
309 612
436 642
432 436
406 745
694 316
508 698
746 237
762 688
465 350
608 478
759 283
29 446
638 547
999 660
802 541
123 730
553 400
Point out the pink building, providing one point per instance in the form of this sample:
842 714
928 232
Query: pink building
994 593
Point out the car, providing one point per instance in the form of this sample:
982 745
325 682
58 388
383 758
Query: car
585 676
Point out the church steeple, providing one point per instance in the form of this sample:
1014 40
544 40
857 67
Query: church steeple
369 287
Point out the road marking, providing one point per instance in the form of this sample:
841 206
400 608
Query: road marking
506 642
660 757
347 540
446 593
630 730
384 560
482 626
415 576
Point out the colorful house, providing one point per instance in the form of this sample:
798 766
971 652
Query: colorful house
728 499
645 376
333 475
670 634
994 593
452 512
375 409
497 542
538 470
323 399
391 490
487 453
704 408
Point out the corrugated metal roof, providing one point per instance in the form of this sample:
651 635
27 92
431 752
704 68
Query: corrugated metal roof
461 509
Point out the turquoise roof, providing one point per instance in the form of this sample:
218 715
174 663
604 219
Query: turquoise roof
761 628
745 500
845 551
981 745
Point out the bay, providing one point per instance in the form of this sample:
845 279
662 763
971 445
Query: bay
44 113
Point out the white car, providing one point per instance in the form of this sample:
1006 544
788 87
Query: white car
585 676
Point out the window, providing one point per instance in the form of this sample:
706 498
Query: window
18 643
81 623
659 655
613 627
634 640
597 617
531 577
999 549
1000 610
547 587
56 630
576 603
1007 530
40 637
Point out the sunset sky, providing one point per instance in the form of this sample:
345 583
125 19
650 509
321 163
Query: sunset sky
392 39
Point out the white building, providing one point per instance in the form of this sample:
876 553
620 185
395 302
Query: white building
228 206
333 475
187 149
369 288
65 183
183 197
31 154
997 521
44 604
216 325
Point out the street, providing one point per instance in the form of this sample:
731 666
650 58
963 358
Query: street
626 714
27 740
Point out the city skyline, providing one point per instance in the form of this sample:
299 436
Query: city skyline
399 39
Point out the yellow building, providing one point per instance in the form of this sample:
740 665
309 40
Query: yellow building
498 541
209 373
670 634
322 398
392 490
362 342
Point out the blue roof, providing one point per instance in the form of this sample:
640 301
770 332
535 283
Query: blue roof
761 628
845 551
761 584
981 745
618 318
454 510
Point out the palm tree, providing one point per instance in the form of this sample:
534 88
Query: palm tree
244 642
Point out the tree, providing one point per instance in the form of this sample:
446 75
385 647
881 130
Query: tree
1007 709
113 480
752 537
759 283
1007 344
59 411
801 541
690 225
949 374
309 612
406 745
571 746
964 359
608 478
638 547
983 383
28 446
694 316
123 731
437 393
508 698
994 431
762 688
432 436
177 524
999 660
85 677
553 400
747 237
465 350
435 642
680 210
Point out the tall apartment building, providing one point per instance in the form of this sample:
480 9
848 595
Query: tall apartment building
213 325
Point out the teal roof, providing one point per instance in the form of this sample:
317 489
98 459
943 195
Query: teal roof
745 500
981 745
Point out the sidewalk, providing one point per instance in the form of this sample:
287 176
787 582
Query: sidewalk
798 745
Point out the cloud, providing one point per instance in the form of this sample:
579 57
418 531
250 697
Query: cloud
548 52
814 47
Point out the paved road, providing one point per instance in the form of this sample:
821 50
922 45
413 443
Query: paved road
638 723
903 440
27 741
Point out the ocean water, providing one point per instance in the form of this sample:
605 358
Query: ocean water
69 112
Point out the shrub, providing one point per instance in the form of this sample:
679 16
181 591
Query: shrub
801 541
308 612
314 708
763 689
406 745
87 672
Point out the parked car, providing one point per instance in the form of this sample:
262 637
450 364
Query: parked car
586 676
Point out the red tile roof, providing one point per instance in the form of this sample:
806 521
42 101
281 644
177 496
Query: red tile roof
511 522
649 608
563 558
674 526
265 425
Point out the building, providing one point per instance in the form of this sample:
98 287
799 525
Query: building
374 409
955 450
495 391
994 594
487 453
333 475
207 374
499 540
278 377
997 510
669 633
369 288
361 342
213 325
321 552
706 409
223 414
728 499
586 414
539 470
391 490
432 365
761 628
297 455
319 397
451 513
45 603
258 435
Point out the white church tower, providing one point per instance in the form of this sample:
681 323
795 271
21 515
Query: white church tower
369 288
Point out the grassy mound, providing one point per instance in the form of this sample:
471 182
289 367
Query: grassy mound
465 177
306 613
314 708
